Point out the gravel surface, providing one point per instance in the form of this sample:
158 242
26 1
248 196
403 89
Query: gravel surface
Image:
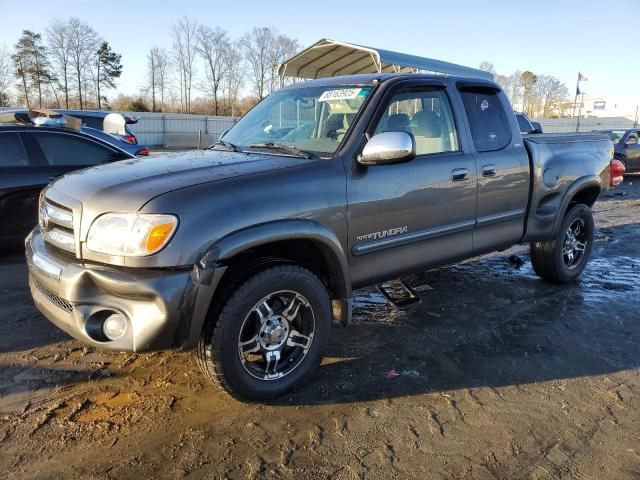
496 374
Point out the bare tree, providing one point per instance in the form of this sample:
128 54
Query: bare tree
60 52
185 42
487 67
212 44
157 77
83 44
256 47
162 76
235 76
152 75
6 75
282 48
550 93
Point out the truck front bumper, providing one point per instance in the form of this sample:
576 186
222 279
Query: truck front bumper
163 308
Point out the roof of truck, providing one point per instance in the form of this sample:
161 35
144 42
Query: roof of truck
329 58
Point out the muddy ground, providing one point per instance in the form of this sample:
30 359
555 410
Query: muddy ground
495 375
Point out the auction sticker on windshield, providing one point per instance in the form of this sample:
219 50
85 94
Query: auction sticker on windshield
341 94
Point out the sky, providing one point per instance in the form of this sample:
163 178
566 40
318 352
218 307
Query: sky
553 37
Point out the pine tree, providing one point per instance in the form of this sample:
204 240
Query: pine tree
109 68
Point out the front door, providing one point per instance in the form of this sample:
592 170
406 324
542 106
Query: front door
412 215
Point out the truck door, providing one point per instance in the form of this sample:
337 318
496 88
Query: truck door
408 216
632 151
503 168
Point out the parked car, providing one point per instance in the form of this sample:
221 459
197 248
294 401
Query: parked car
626 144
92 119
249 250
132 148
527 127
33 156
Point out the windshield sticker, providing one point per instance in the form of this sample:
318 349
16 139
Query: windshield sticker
341 94
484 105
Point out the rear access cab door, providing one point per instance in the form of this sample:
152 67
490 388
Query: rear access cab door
504 174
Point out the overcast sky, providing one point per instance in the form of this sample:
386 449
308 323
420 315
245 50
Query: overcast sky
555 37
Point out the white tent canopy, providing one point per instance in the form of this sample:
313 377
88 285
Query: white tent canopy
330 58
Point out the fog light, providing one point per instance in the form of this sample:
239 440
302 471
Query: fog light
114 326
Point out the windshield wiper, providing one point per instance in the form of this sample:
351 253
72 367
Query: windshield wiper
228 145
285 148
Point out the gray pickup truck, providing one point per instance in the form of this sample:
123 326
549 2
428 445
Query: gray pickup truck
248 250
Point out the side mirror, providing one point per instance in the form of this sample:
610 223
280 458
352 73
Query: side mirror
388 147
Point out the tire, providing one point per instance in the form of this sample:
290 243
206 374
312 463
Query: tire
237 349
550 259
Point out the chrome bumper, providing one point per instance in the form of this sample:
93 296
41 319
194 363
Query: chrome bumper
164 308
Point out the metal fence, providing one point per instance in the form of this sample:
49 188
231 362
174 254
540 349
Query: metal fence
174 130
567 125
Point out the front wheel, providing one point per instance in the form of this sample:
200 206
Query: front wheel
270 335
562 259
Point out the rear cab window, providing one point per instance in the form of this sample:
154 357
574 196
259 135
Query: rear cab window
12 151
488 120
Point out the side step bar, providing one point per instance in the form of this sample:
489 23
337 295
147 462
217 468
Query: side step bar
399 294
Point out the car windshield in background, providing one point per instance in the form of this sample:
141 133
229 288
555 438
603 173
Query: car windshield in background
312 119
615 135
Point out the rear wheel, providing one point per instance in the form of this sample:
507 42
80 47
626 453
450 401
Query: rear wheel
562 259
270 334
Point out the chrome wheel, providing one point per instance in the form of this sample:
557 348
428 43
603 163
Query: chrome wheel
575 244
276 335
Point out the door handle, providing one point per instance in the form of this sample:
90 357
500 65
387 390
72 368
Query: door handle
459 174
489 171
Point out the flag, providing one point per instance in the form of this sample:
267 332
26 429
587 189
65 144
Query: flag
582 78
578 91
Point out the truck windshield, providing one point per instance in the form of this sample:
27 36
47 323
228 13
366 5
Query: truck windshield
311 119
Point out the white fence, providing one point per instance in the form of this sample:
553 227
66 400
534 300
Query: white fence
566 125
174 130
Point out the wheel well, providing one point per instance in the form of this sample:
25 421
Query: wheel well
314 256
586 196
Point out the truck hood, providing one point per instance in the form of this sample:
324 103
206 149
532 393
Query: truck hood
128 184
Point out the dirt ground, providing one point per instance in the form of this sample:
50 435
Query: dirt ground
494 375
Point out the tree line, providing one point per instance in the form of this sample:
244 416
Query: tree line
206 59
70 66
537 95
204 70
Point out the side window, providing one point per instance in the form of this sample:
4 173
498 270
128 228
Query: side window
490 127
13 154
427 115
523 123
69 150
93 122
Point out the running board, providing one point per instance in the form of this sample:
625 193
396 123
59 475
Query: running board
398 294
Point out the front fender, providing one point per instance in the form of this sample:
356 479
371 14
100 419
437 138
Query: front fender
209 270
271 232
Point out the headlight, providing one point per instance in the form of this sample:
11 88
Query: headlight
131 234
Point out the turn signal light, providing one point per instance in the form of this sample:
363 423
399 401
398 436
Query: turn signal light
158 235
616 171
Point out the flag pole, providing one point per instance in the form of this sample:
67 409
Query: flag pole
579 113
575 100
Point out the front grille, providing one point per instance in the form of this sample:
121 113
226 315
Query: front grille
57 300
56 225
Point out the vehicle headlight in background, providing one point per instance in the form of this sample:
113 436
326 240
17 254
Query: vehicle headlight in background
131 234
